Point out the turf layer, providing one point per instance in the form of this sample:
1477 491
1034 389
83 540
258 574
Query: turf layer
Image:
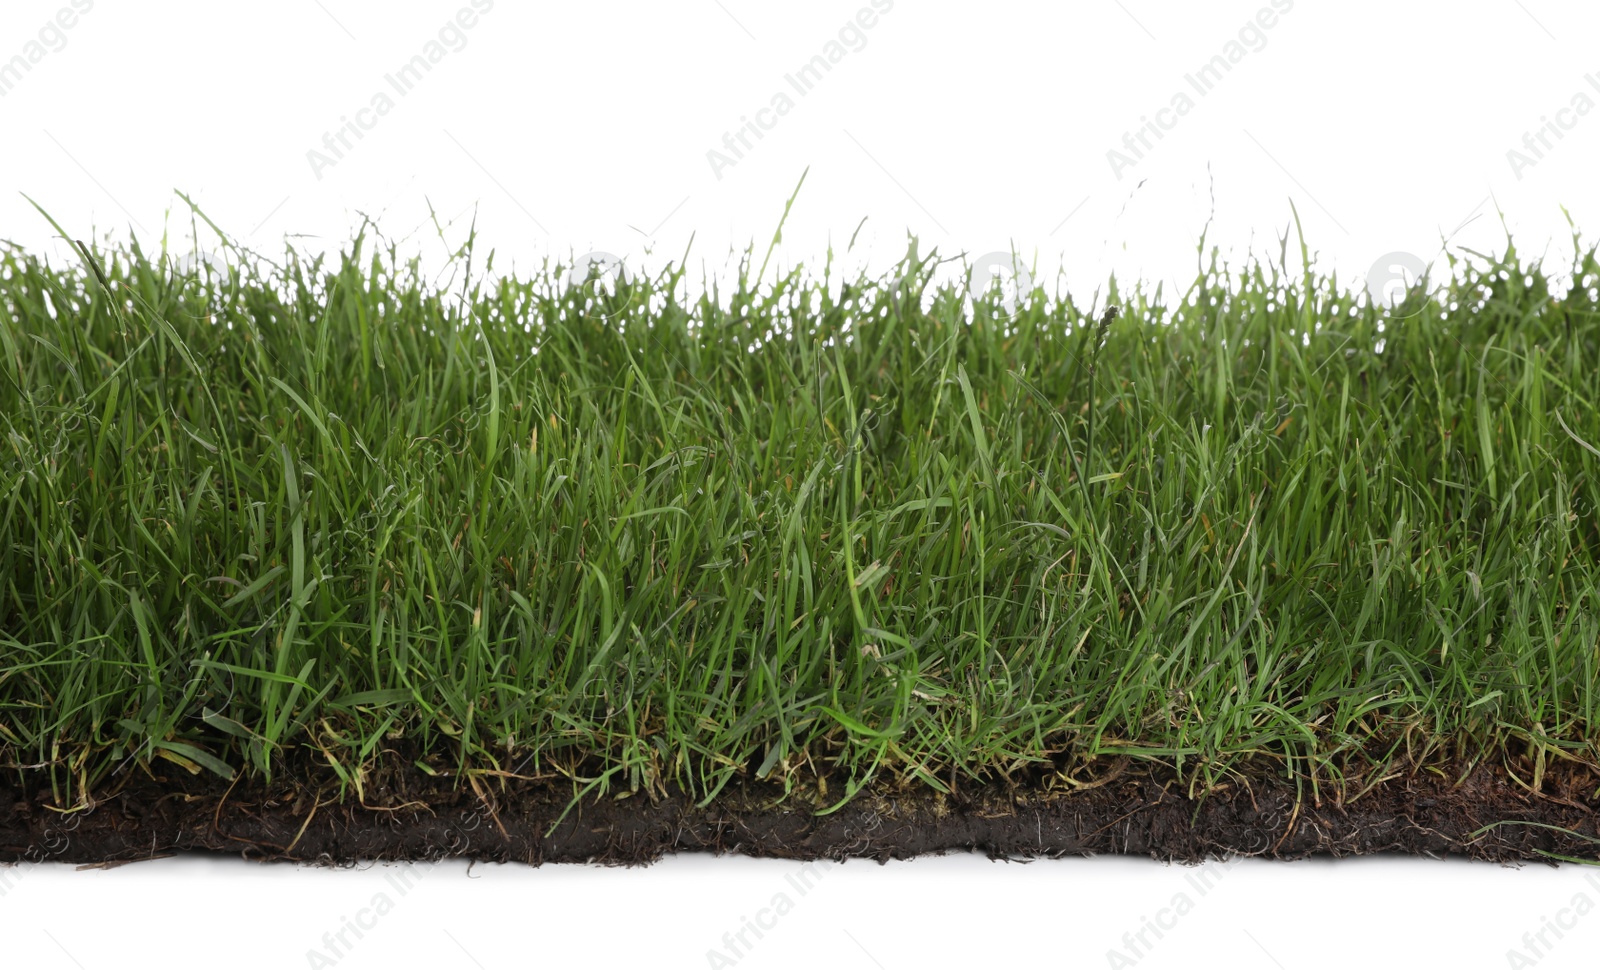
817 537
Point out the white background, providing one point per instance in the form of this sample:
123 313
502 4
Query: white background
563 128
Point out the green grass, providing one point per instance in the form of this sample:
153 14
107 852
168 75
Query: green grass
801 526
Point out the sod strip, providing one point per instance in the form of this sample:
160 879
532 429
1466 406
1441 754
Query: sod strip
294 547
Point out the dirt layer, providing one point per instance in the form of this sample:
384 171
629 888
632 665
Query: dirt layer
1141 810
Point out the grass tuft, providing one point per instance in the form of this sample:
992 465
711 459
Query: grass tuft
789 528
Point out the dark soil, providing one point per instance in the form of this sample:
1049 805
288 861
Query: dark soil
1134 809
